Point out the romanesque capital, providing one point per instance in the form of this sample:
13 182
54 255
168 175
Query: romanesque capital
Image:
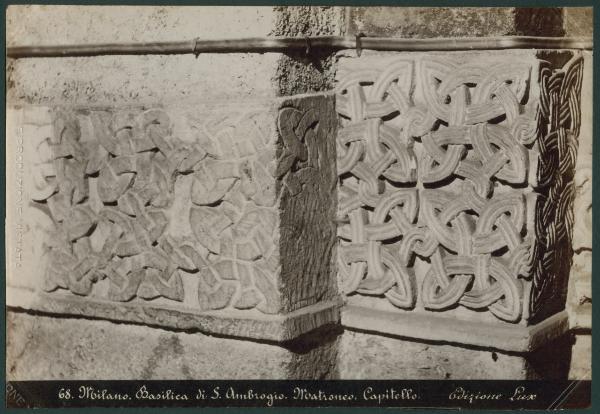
456 184
218 217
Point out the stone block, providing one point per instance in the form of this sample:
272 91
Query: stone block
299 72
580 281
431 22
364 356
137 80
581 359
169 79
456 190
47 348
217 216
578 21
69 24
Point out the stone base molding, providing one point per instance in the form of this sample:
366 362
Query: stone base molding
508 338
50 348
233 323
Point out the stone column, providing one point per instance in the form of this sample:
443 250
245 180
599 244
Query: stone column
456 190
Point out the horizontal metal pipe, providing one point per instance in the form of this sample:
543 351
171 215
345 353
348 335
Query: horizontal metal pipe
476 43
283 44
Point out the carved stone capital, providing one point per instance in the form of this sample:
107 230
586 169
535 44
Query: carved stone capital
216 217
456 183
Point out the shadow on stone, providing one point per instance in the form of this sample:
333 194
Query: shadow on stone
551 361
535 21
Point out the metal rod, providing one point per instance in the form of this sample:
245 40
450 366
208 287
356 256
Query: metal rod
283 44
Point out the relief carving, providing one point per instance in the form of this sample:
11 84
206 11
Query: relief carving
114 228
108 181
307 177
437 159
561 114
295 162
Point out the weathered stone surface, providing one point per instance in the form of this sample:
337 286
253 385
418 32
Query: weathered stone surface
299 72
457 182
539 21
47 348
308 203
424 22
504 337
174 208
136 80
167 79
233 323
578 21
581 358
79 24
108 80
429 22
30 24
580 291
364 356
580 282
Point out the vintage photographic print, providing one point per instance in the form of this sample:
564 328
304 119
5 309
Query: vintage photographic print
298 206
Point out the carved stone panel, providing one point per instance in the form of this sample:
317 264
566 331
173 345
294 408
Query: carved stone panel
306 183
456 182
558 143
178 209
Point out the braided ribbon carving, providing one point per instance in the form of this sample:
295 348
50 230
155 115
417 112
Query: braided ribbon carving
120 235
560 110
434 159
108 180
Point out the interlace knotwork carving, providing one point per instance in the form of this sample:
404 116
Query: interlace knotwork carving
434 161
297 159
109 182
560 111
116 232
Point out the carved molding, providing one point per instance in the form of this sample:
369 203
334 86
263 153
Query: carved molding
448 329
462 162
279 327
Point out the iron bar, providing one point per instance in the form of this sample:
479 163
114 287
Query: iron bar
284 44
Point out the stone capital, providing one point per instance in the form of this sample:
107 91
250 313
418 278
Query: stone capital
456 190
217 217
